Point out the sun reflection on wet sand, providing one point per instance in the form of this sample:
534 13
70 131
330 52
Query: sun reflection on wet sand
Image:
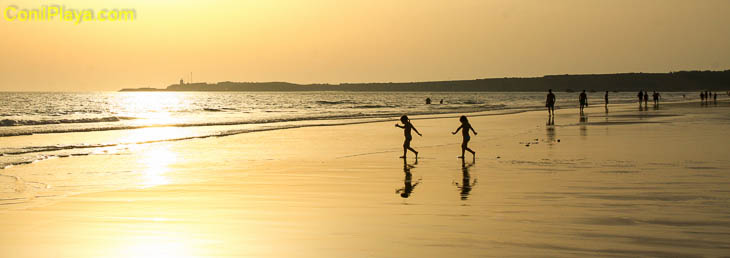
154 108
157 159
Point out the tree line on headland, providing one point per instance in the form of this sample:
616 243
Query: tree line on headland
674 81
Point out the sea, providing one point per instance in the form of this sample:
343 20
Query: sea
36 126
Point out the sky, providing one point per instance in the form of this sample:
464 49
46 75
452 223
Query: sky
335 41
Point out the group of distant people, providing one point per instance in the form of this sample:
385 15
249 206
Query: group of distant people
643 95
706 95
582 100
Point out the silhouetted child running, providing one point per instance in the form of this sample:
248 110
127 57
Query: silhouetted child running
407 126
465 133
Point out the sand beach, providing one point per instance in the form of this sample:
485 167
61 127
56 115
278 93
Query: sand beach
623 183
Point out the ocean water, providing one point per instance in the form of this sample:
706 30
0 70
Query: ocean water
38 126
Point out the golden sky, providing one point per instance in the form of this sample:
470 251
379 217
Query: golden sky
333 41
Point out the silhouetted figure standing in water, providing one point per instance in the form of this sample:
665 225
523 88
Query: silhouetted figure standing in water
428 101
466 183
583 99
646 99
408 185
641 96
407 127
702 97
605 98
465 127
550 102
656 97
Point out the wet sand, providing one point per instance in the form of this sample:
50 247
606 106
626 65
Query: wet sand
624 183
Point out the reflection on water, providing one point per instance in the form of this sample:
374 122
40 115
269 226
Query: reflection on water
583 121
155 107
408 187
466 183
550 131
156 160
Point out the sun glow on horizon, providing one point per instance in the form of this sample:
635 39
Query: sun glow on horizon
326 41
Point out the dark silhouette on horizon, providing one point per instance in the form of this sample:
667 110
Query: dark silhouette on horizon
674 81
465 127
550 102
466 182
407 126
408 184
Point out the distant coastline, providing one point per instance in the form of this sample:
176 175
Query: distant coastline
674 81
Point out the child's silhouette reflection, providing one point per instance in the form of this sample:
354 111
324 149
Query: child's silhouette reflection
466 183
408 187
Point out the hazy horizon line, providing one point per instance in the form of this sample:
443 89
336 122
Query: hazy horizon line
381 82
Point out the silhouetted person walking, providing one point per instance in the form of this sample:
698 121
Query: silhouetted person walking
605 98
408 185
465 127
407 127
583 99
550 102
646 99
656 97
641 96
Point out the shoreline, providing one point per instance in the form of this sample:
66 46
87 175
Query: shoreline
306 123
